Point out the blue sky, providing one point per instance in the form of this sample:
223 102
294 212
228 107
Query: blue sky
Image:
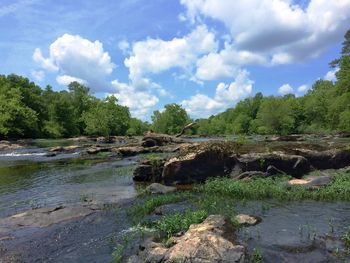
204 54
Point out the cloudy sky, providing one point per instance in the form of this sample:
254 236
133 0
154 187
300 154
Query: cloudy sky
203 54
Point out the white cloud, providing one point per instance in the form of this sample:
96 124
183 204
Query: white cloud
157 55
139 102
302 88
285 89
226 95
38 75
65 80
279 29
124 46
225 63
77 58
331 75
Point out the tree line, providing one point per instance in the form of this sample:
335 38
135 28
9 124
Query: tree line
27 111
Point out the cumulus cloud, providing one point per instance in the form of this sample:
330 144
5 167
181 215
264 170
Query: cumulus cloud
225 63
157 55
330 75
302 88
77 58
124 46
38 75
139 102
65 80
226 95
285 89
279 29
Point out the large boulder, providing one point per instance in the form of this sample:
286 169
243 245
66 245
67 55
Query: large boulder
331 159
155 139
149 171
210 241
197 166
294 165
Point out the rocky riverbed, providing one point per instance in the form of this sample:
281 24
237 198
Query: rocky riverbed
76 200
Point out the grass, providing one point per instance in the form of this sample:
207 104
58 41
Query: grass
276 188
256 256
346 239
173 224
138 211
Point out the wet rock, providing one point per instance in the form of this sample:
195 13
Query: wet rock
43 217
195 167
157 188
210 241
247 220
60 149
294 165
313 181
331 159
149 171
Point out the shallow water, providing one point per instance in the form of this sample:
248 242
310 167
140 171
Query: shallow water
29 179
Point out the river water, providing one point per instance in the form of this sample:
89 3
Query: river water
294 232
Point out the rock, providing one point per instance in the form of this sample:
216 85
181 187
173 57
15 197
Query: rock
210 241
149 142
157 188
149 171
250 175
197 166
272 171
79 139
294 165
160 139
331 159
97 149
6 145
132 150
313 181
56 149
247 220
59 149
43 217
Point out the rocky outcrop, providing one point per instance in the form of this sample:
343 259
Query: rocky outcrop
294 165
331 159
149 171
210 241
195 167
61 149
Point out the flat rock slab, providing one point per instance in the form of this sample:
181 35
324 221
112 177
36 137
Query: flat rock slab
44 217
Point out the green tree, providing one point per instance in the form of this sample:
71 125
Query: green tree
137 127
171 120
275 116
107 118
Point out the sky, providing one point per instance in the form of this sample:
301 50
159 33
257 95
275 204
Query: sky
203 54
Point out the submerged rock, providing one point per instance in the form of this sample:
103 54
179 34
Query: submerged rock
248 220
210 241
157 188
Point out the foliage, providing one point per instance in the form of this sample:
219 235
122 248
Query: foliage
171 120
106 118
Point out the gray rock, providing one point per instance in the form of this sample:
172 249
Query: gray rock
157 188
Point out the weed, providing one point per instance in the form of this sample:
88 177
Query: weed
139 211
346 238
256 256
